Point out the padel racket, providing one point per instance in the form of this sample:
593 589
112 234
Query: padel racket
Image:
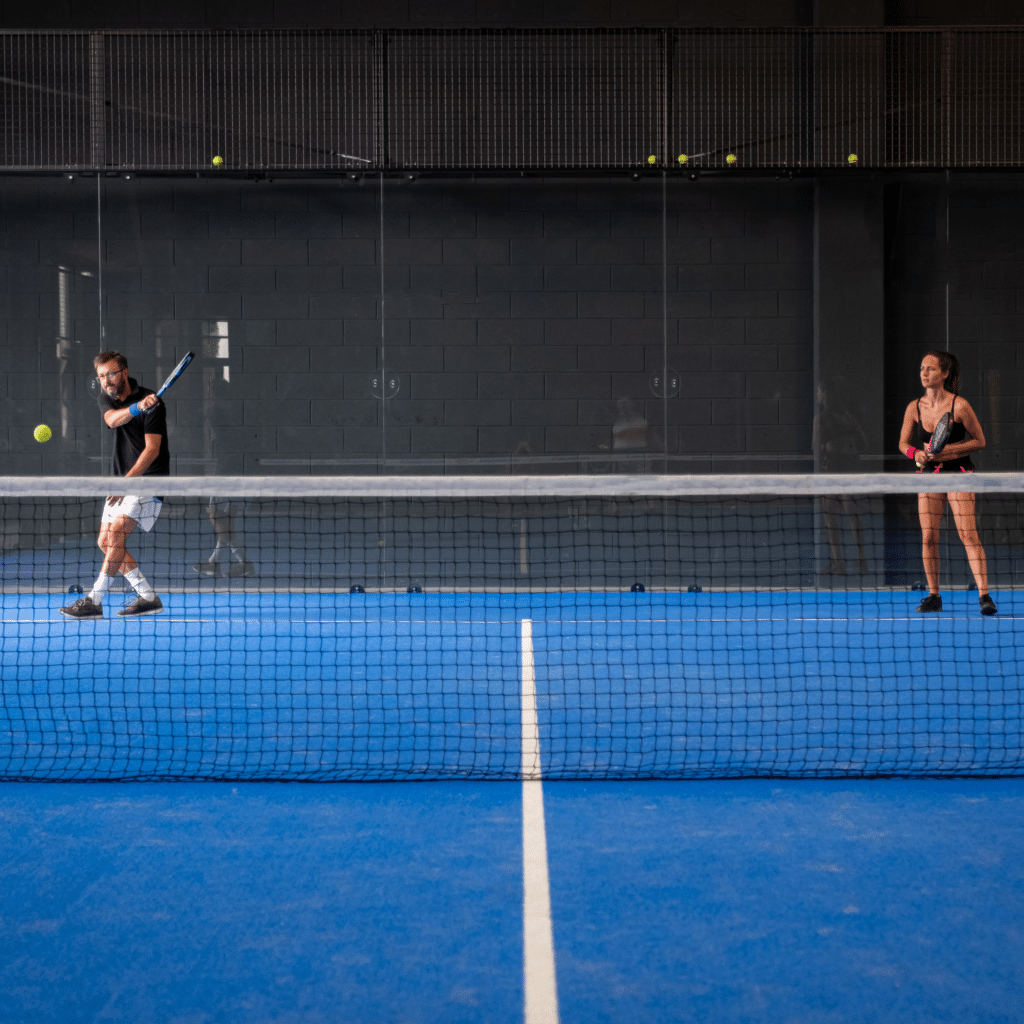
939 437
179 370
940 434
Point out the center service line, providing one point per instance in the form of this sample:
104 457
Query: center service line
540 991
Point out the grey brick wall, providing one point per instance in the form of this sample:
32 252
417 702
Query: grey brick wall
519 317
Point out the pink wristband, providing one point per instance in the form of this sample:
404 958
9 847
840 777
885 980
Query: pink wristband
911 452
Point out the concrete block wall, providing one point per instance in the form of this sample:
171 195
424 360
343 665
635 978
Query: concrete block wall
518 317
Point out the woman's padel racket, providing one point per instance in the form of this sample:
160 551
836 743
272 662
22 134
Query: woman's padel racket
939 437
180 369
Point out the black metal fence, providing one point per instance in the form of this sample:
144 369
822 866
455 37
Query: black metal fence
491 100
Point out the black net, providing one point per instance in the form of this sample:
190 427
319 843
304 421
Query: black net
414 629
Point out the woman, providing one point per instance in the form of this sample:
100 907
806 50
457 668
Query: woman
940 378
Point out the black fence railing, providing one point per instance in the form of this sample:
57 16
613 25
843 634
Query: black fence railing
483 100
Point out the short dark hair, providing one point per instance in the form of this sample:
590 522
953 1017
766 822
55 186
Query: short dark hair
948 363
110 357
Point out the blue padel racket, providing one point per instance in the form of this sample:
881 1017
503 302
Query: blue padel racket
176 373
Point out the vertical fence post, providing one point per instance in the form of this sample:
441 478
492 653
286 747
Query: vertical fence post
668 40
380 46
948 55
97 99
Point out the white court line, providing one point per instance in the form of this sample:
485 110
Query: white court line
540 988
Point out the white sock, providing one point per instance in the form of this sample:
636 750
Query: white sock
140 584
100 587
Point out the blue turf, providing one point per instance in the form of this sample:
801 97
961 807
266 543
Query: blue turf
329 686
216 904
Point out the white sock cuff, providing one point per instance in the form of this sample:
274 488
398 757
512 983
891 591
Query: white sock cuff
139 584
100 587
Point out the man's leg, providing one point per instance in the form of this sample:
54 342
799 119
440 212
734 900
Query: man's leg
112 539
112 542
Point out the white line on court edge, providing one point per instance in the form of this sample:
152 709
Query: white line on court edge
540 990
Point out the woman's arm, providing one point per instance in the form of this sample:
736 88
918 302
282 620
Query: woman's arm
906 448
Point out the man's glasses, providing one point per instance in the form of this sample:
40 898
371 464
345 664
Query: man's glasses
109 376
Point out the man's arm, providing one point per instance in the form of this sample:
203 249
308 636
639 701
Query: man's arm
148 454
119 417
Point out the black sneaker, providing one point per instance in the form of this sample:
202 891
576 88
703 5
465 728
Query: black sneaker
83 608
140 606
932 603
206 568
240 569
987 605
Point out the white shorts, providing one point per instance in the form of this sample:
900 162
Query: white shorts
145 511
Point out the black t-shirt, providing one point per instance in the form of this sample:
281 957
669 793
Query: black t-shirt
130 440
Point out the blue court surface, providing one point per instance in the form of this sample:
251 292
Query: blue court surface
676 894
736 900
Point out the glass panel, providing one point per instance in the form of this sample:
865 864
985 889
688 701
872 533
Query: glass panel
49 326
249 275
527 326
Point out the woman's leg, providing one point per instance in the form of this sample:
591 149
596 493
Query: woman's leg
962 504
929 510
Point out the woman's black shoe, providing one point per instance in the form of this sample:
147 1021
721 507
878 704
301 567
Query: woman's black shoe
932 603
987 605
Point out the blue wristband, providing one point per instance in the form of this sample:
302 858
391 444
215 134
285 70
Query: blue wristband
134 409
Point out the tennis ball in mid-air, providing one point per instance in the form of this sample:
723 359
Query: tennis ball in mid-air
42 432
218 161
731 158
683 158
852 158
652 159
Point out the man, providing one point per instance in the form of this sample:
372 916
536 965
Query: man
139 421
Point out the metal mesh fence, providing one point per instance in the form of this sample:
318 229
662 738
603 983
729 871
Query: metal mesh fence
987 99
45 100
408 100
778 99
525 99
253 100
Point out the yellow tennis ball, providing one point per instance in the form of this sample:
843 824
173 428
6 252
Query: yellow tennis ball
218 161
42 433
683 158
652 159
731 158
852 158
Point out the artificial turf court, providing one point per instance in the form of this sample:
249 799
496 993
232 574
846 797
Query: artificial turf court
673 896
852 901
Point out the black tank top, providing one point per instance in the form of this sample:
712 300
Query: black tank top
957 433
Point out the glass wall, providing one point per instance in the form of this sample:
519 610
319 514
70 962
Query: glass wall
413 325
